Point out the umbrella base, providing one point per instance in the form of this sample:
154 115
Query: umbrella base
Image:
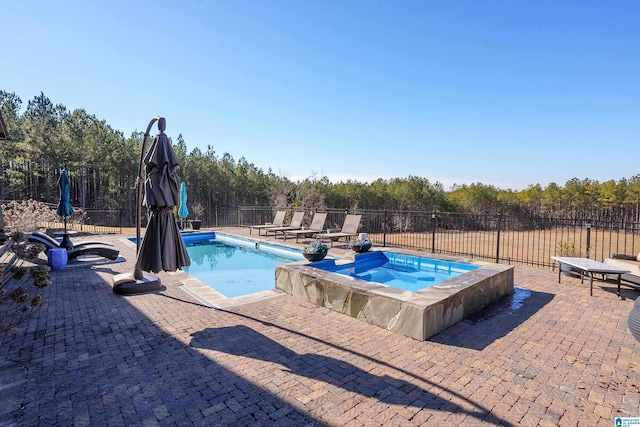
126 284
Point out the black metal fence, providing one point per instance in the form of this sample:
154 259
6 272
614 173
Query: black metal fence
495 238
94 221
498 238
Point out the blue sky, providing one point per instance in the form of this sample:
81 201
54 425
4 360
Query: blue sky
507 93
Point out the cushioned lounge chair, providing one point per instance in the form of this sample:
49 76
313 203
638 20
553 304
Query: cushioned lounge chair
349 229
295 224
317 226
87 247
628 262
278 221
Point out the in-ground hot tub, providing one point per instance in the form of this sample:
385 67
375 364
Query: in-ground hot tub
417 314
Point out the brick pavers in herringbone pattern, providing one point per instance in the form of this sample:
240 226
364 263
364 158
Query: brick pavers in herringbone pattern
89 357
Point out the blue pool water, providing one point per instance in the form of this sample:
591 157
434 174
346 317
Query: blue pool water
402 271
236 267
191 237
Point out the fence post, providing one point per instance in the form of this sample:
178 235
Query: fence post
120 219
588 226
384 229
498 243
433 232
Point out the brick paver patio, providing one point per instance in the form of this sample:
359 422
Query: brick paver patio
552 355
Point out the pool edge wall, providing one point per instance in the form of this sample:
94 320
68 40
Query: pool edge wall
417 315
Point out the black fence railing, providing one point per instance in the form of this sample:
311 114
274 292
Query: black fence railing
525 240
94 221
494 238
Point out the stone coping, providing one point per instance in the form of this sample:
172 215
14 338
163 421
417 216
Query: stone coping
418 314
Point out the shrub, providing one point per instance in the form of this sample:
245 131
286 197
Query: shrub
26 215
19 291
568 249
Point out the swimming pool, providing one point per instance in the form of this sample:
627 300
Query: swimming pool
235 267
402 271
417 314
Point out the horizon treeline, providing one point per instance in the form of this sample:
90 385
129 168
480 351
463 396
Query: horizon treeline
103 164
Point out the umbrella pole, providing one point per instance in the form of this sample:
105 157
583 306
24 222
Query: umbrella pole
146 281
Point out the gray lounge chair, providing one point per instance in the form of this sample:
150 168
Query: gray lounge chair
628 262
79 249
295 224
349 229
316 226
278 221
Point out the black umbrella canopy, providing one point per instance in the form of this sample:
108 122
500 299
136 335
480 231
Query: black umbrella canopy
162 247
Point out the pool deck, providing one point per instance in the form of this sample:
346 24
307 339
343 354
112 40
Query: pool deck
90 357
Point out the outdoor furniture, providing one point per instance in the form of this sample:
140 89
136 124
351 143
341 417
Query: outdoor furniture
57 258
316 226
295 224
162 248
66 238
87 247
50 242
349 229
278 221
587 266
629 262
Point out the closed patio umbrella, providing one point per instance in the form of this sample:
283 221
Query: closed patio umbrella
64 205
183 211
64 208
162 248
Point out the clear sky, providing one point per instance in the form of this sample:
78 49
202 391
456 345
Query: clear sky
507 93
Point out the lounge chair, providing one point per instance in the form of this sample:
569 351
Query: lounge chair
295 224
278 221
628 262
87 247
349 229
317 226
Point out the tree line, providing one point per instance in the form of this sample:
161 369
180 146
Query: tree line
103 163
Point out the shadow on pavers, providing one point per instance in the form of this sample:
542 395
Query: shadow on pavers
496 320
91 354
625 292
244 341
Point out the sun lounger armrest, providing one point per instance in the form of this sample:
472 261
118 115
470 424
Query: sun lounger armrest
624 256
